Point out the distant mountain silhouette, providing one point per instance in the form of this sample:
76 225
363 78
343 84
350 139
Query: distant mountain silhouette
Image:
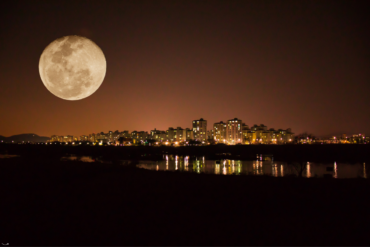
25 138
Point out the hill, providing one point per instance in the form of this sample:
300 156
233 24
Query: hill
25 138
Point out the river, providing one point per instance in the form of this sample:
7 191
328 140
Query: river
256 167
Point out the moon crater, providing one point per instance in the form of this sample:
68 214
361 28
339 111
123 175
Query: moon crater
72 67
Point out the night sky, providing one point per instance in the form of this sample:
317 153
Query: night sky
298 64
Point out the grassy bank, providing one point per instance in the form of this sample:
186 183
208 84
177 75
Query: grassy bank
49 202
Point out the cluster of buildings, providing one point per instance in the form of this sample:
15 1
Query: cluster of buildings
342 139
231 132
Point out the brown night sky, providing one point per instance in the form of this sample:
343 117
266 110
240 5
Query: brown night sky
298 64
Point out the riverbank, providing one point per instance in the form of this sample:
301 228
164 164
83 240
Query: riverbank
50 202
349 153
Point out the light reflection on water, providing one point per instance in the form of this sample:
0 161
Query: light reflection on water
282 170
364 171
237 167
275 170
308 170
256 167
5 156
82 158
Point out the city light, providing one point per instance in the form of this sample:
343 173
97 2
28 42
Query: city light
231 132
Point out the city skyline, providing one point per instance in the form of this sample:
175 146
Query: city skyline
338 133
281 63
232 132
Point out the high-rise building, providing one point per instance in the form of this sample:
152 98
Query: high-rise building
189 134
210 134
125 134
116 135
265 137
92 137
234 133
287 135
143 135
110 136
134 134
158 135
68 138
245 133
139 136
259 129
200 130
251 137
176 135
101 136
170 134
219 132
180 134
84 138
260 134
54 138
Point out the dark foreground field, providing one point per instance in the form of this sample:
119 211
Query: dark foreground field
48 202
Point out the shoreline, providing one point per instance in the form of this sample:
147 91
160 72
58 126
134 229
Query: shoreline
287 153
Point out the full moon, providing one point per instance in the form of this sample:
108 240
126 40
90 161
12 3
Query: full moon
72 67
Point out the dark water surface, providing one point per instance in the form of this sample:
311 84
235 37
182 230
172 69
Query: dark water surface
241 167
256 167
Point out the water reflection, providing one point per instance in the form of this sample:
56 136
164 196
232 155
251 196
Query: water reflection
256 167
166 162
274 170
365 176
282 170
224 170
186 163
197 167
177 163
217 169
82 158
308 170
233 168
